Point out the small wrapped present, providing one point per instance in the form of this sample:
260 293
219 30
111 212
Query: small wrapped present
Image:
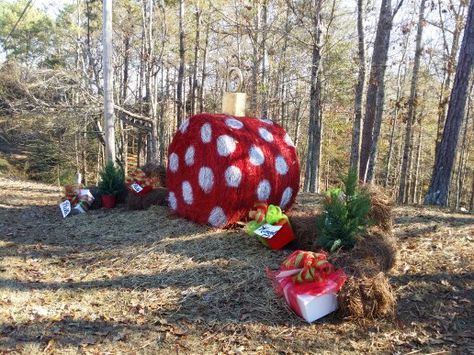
138 183
270 225
309 284
77 200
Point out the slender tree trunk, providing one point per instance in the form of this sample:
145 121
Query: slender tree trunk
462 156
444 160
264 59
355 146
376 83
196 58
255 59
203 71
396 113
412 103
415 182
450 66
314 137
180 91
109 116
472 193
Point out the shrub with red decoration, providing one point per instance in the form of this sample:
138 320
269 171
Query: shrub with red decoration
219 166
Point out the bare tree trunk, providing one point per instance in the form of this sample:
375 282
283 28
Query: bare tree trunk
355 146
311 183
373 107
412 103
264 59
196 57
444 160
472 193
203 74
462 155
414 183
396 113
180 93
450 65
255 59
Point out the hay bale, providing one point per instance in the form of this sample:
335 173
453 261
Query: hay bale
367 298
154 169
381 207
157 197
219 166
378 248
304 227
374 252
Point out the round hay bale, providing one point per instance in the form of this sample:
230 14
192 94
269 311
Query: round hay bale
157 197
381 207
374 252
304 227
377 247
367 298
219 166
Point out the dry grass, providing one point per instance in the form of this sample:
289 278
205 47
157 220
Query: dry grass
367 297
147 282
381 207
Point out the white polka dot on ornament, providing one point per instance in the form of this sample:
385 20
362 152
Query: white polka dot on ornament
263 190
280 165
184 126
206 133
256 156
174 162
225 145
286 196
189 156
206 179
265 134
187 192
233 123
266 120
233 176
172 201
217 217
288 140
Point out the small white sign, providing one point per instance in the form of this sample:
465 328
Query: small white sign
267 231
137 187
65 208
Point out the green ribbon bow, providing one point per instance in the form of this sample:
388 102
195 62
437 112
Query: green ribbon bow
273 215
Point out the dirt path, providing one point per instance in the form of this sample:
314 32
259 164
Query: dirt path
145 282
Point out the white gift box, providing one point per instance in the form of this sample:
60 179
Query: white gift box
310 307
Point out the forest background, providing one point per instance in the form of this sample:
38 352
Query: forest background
356 83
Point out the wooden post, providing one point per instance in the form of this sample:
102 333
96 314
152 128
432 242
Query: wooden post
109 118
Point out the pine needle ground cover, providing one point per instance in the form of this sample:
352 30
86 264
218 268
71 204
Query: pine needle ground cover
145 282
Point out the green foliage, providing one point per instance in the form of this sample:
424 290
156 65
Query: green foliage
344 216
32 38
47 162
111 180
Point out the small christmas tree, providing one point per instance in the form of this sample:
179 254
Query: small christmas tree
344 216
111 180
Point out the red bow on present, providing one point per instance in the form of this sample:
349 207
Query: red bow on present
315 267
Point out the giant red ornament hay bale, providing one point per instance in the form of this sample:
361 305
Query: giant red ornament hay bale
219 166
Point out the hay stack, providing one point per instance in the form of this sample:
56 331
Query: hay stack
304 227
157 196
381 210
154 197
367 293
367 297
